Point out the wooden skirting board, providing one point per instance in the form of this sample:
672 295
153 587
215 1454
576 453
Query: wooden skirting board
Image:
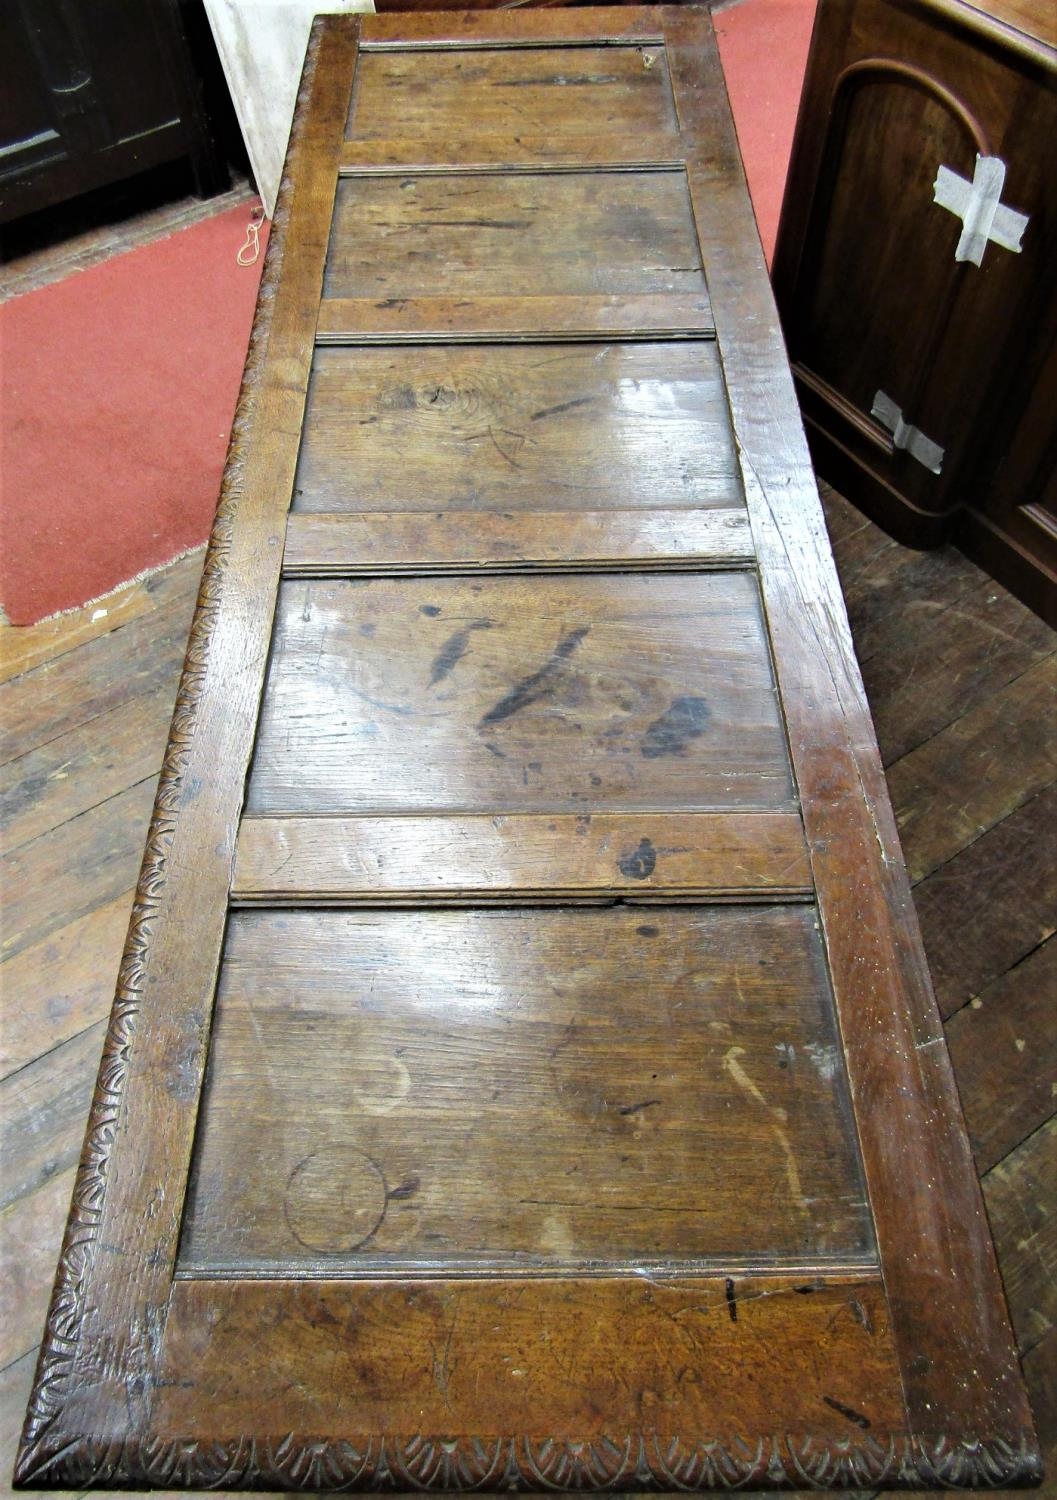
524 1069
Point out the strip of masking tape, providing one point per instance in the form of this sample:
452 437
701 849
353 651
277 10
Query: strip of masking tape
905 437
979 206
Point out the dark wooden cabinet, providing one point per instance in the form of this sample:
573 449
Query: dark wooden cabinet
927 381
91 94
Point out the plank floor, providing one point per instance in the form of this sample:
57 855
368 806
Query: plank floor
963 684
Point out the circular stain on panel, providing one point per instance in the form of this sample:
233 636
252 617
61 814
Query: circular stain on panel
383 1088
335 1200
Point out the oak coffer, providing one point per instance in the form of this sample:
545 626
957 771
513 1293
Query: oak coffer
524 1070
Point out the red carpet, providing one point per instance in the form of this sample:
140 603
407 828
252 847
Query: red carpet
763 44
119 383
119 386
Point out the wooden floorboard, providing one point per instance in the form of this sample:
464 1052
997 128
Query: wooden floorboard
963 682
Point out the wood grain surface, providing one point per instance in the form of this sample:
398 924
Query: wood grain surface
466 150
428 1064
542 318
503 1357
1004 1052
632 856
387 543
568 233
574 428
560 92
563 693
603 25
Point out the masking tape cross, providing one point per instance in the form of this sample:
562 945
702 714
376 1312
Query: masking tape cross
978 204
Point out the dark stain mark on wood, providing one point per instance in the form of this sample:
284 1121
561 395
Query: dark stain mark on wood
561 80
453 651
647 931
641 863
406 1190
474 224
553 411
390 708
433 610
684 720
634 1109
861 1315
308 1214
732 1301
513 440
530 689
567 1036
848 1411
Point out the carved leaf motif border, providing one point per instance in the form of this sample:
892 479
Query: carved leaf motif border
419 1463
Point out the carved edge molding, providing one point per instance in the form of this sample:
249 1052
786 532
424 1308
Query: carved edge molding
56 1362
635 1462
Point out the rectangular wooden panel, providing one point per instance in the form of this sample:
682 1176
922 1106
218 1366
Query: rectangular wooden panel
383 1090
560 91
473 859
463 541
571 233
588 693
543 427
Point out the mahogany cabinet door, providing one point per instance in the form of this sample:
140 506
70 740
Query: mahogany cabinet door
877 293
524 1070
